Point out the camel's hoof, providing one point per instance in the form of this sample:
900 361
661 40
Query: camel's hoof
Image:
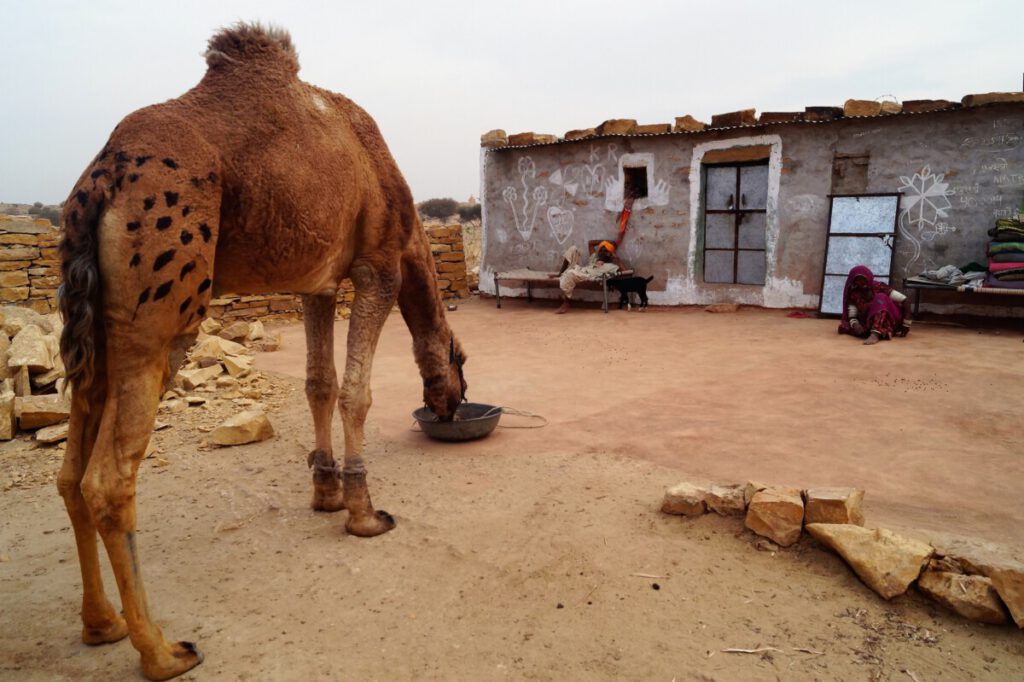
330 502
378 523
181 658
114 632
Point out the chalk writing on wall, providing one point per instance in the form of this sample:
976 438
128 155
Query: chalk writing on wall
526 215
925 203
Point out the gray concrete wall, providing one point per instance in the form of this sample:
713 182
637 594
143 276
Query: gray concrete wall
957 171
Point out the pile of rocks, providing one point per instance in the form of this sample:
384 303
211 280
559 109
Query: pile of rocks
31 375
33 398
979 583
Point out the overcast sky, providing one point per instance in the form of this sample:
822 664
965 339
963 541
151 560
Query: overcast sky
437 74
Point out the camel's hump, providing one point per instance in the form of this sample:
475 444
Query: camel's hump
246 42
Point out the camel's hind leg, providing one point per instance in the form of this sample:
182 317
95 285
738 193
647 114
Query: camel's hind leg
322 394
376 291
101 622
109 489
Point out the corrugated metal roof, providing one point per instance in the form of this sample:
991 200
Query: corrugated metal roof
707 130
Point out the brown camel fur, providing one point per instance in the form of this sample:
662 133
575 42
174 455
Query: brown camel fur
253 181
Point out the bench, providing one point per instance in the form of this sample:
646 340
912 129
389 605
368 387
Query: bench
919 285
539 278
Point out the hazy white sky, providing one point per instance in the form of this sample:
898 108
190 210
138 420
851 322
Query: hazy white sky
437 74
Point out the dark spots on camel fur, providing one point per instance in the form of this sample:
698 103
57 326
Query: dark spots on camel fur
185 269
139 160
184 305
163 259
197 182
201 311
163 290
170 163
204 285
205 230
134 262
171 198
148 203
134 225
163 222
212 177
119 182
143 297
97 173
185 211
133 177
186 237
121 157
82 197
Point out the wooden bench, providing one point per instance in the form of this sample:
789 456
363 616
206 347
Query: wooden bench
538 278
918 286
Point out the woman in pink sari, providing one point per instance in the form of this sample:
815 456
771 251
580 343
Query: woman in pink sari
872 310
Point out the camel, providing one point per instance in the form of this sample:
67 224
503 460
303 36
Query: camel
252 181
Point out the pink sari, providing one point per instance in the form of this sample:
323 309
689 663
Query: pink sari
876 311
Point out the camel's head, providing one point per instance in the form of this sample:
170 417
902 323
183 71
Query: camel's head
444 392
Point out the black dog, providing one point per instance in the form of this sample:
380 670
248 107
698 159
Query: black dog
630 285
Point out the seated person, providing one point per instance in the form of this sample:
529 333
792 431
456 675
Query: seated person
602 262
871 309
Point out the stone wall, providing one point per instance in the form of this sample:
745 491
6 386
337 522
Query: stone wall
30 272
29 264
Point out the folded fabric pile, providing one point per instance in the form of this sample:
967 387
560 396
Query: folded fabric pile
1006 255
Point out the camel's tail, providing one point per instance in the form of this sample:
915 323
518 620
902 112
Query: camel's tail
79 297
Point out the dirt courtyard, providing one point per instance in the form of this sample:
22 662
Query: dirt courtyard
540 553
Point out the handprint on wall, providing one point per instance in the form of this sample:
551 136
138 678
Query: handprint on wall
614 188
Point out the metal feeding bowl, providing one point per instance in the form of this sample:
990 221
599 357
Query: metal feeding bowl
472 421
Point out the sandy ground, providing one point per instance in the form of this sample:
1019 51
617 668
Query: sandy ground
516 557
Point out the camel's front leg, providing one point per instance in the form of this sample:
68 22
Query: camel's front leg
109 490
322 394
376 291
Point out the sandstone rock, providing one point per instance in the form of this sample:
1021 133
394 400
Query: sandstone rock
268 344
579 134
7 422
688 124
997 564
174 405
236 331
5 345
752 488
33 348
520 139
686 499
653 128
822 113
617 126
971 596
15 318
886 562
545 138
52 434
35 411
245 427
238 365
777 514
215 348
889 107
726 500
227 381
47 378
743 117
256 331
862 107
916 106
210 326
834 505
494 138
194 378
194 400
780 116
22 382
992 98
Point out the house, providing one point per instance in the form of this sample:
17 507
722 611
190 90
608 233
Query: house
738 210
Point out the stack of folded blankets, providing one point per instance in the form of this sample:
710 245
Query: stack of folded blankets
1006 255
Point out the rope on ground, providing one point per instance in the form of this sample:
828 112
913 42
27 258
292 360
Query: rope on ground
522 413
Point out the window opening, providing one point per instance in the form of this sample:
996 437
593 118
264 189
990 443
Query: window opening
635 182
735 223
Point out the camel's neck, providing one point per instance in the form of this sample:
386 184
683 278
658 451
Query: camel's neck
423 310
